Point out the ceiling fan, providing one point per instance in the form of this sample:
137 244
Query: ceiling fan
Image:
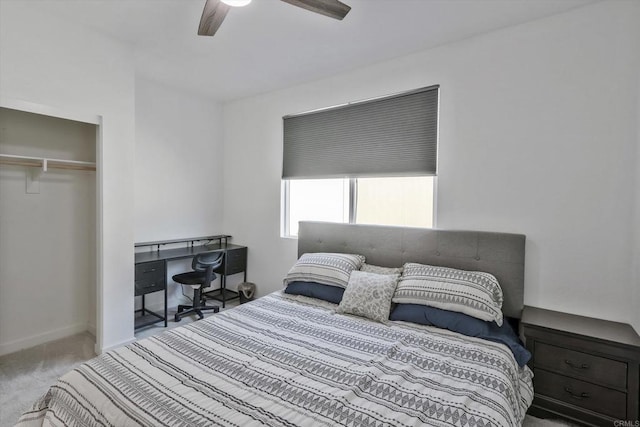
215 11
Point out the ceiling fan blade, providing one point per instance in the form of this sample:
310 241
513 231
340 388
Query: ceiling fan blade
212 16
331 8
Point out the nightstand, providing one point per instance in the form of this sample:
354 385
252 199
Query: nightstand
585 370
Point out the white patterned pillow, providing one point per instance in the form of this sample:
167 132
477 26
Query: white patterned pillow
368 295
370 268
475 293
326 268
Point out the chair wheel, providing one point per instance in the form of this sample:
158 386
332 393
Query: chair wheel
177 318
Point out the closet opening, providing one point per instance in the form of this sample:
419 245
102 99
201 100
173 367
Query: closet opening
48 228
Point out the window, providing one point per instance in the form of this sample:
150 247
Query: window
368 162
404 201
317 200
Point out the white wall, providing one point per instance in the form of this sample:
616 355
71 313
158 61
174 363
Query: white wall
47 237
178 173
635 308
66 66
537 132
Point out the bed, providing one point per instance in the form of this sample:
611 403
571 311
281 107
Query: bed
291 360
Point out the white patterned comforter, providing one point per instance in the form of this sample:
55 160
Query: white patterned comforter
291 361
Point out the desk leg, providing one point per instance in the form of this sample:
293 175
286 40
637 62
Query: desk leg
166 285
143 312
223 285
165 305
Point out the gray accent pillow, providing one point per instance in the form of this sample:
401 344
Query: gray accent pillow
370 268
368 295
474 293
327 268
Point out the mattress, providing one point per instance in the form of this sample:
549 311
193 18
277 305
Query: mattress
286 360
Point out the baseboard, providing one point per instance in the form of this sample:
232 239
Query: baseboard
99 350
45 337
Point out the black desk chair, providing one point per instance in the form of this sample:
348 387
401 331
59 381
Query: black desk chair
202 275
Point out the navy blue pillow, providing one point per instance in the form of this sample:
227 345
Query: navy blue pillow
315 290
463 324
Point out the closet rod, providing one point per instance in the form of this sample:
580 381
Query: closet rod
45 163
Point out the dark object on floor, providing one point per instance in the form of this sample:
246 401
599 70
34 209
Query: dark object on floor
202 275
247 291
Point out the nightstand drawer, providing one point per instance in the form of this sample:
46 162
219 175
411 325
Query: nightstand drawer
581 365
580 393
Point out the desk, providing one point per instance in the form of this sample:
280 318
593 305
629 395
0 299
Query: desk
151 271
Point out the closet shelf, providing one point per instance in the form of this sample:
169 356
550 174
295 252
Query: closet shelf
45 163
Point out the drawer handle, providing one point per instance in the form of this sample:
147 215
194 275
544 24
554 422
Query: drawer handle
574 366
576 396
150 271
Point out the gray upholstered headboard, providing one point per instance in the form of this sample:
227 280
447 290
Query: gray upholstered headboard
501 254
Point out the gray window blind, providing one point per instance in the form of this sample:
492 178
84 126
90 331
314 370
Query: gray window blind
390 136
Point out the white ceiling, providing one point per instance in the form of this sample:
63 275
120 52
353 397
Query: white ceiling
270 44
